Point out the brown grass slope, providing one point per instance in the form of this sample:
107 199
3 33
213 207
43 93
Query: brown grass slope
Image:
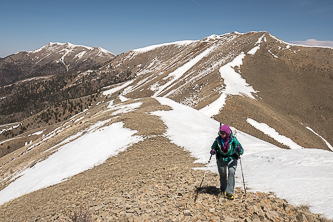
294 83
298 86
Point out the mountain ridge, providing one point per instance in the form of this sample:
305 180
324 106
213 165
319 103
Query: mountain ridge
243 80
189 72
50 59
156 63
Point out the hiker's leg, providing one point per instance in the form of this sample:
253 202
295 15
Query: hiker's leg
222 168
232 165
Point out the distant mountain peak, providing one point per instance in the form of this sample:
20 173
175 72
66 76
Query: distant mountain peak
56 46
52 58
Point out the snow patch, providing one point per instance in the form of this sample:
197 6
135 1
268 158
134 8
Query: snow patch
39 132
235 85
152 47
117 88
103 52
254 50
329 145
79 119
120 108
263 127
275 56
10 128
175 75
260 39
123 98
79 55
213 37
193 136
73 158
279 40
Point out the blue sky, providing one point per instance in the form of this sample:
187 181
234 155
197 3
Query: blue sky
119 26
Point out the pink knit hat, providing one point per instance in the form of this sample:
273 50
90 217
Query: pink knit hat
225 128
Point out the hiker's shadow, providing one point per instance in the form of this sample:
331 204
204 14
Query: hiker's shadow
207 190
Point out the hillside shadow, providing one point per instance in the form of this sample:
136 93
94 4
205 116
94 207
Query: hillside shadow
212 190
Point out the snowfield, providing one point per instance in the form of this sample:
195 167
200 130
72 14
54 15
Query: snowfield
301 176
263 127
73 158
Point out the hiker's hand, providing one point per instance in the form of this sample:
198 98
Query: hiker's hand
239 149
212 152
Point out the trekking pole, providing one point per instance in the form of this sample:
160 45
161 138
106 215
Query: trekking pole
205 170
242 174
197 191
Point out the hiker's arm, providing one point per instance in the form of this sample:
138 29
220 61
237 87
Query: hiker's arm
239 148
213 148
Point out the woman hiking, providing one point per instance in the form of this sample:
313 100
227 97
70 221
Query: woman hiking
227 150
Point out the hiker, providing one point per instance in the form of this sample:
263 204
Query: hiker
227 150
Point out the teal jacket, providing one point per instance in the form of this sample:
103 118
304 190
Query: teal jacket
233 151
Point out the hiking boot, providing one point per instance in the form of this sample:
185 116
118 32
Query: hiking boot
230 196
222 194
